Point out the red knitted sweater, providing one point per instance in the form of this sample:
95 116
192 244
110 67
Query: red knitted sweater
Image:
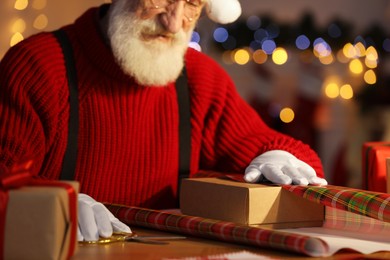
128 136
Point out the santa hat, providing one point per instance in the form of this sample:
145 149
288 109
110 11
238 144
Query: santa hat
223 11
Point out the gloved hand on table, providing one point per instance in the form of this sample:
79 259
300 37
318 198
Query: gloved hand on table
281 167
95 220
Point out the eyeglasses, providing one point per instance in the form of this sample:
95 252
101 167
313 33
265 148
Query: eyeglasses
191 7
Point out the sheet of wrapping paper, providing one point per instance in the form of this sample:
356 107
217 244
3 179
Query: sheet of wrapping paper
219 230
346 230
352 210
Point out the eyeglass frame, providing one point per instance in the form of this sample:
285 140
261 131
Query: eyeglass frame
188 3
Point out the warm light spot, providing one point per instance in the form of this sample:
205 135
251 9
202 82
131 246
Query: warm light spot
260 57
332 90
370 77
321 48
227 57
16 38
349 50
287 115
372 64
341 57
241 57
346 91
371 54
356 66
40 22
21 4
280 56
326 60
360 49
39 4
18 26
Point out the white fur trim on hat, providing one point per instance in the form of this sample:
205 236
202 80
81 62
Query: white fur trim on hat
223 11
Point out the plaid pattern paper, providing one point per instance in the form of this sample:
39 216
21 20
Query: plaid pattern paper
371 204
344 220
219 230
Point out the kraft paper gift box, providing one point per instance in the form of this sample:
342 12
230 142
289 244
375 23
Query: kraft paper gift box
39 222
249 204
374 156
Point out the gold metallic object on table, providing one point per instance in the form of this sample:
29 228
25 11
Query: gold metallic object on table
132 237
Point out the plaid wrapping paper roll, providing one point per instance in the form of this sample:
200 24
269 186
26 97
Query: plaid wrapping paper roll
346 208
219 230
344 220
366 203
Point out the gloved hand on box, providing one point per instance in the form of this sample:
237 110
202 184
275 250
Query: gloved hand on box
281 167
95 220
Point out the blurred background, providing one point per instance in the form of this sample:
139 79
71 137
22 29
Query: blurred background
316 70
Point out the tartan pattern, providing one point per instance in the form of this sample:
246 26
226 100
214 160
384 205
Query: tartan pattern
346 208
344 220
219 230
366 203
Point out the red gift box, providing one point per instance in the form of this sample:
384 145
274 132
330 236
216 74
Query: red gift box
38 218
374 156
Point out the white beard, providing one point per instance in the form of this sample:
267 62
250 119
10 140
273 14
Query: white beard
151 63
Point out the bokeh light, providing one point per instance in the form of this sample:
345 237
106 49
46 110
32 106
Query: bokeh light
370 77
349 50
195 37
241 57
260 57
371 53
220 34
260 35
386 44
18 26
253 22
268 46
356 66
273 30
280 56
334 30
16 38
302 42
287 115
321 48
40 22
21 4
332 90
346 91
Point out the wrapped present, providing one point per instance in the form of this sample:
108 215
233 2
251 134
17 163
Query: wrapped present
388 174
248 204
374 156
38 218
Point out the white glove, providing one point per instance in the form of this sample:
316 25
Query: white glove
281 167
95 220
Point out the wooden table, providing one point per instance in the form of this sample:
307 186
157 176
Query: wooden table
191 247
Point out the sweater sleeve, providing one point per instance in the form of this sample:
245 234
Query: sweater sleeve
27 109
233 132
